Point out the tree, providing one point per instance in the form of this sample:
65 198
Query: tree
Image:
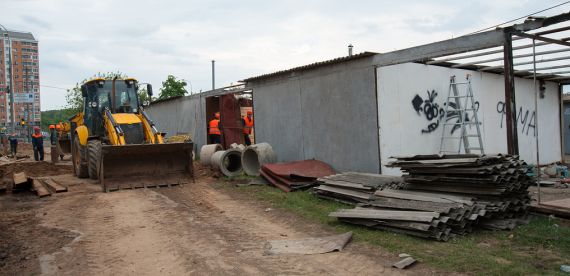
144 97
172 87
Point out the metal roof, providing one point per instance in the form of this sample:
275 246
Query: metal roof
15 35
313 65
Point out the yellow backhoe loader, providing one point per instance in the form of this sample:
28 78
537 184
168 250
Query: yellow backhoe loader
114 140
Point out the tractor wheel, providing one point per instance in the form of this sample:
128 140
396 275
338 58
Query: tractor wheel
94 149
79 159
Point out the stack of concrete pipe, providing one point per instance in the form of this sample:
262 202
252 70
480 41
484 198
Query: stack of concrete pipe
237 159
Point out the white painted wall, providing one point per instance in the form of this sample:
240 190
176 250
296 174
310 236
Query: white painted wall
400 125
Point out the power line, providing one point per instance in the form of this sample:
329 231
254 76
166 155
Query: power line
498 25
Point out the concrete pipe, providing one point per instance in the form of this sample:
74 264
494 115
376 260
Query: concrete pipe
228 162
206 153
255 156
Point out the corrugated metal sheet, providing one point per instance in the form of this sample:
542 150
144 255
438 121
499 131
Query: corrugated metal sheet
312 66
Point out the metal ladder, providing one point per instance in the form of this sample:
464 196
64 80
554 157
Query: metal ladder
463 119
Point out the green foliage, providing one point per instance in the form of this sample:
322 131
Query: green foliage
172 87
535 249
52 117
144 97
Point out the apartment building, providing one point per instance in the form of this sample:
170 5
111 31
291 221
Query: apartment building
19 70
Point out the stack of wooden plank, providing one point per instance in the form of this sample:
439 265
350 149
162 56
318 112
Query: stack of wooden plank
461 191
41 186
353 187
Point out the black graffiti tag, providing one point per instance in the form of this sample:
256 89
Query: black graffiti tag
434 113
429 108
525 121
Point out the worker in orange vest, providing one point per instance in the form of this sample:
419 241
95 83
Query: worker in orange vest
214 129
38 143
247 127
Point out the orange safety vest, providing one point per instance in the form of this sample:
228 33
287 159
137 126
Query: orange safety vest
214 129
248 125
37 135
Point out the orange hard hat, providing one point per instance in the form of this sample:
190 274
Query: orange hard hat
249 112
57 126
51 126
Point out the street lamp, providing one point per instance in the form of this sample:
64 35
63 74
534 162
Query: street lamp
10 90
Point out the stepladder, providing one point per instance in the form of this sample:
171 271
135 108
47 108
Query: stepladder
461 125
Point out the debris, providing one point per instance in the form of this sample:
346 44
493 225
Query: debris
308 246
443 196
565 268
183 138
297 175
404 255
268 209
404 263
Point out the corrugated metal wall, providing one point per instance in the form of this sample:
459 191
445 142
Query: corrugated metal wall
326 113
183 115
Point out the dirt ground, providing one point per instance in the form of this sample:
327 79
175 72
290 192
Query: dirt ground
190 229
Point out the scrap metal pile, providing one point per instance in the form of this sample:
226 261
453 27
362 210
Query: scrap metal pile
448 195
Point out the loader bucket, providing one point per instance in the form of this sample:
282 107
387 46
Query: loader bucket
146 165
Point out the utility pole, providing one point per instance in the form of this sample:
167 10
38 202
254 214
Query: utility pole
11 83
213 75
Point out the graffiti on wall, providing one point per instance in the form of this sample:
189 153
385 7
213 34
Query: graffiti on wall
434 114
522 118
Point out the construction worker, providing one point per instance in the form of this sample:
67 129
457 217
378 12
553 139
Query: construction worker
13 144
58 128
38 144
214 129
4 140
247 127
52 135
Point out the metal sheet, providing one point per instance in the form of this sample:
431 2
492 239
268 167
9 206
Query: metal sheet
232 129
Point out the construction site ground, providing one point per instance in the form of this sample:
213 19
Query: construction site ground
210 227
200 228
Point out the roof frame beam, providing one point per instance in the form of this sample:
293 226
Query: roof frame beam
468 43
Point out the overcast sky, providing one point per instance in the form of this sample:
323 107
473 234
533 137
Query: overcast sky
149 40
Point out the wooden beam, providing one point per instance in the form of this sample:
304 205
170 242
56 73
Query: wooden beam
54 186
39 188
20 179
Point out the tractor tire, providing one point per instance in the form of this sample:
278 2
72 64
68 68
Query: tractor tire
94 154
79 158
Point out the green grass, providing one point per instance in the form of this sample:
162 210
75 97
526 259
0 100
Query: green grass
537 248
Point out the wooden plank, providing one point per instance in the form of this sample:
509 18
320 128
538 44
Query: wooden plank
39 188
54 186
563 204
20 179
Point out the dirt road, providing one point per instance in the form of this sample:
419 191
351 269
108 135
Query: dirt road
195 229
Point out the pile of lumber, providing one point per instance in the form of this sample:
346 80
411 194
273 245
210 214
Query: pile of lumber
41 186
353 187
448 195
